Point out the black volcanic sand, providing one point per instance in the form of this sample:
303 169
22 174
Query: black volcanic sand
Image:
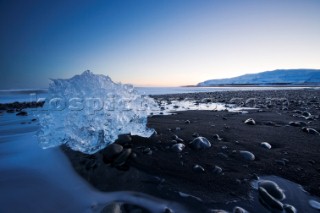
164 173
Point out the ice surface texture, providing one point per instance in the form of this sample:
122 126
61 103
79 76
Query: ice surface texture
87 112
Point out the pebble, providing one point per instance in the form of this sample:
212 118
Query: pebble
200 143
269 200
216 136
176 137
195 134
289 208
217 170
222 155
265 145
314 204
178 147
239 209
297 123
198 168
122 158
187 122
247 155
110 152
250 121
273 189
310 131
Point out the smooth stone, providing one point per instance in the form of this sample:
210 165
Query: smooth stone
306 114
265 145
310 131
273 189
247 155
222 155
22 113
250 121
178 147
314 204
297 123
195 134
198 168
239 209
176 137
187 122
111 151
124 138
289 208
216 136
269 200
121 159
217 170
200 143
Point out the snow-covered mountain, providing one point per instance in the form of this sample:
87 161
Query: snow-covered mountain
290 76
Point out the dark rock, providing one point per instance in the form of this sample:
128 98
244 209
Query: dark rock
111 152
310 131
289 208
217 170
297 123
200 143
195 134
273 189
238 209
250 121
178 147
197 168
247 155
216 136
122 158
265 145
187 122
269 200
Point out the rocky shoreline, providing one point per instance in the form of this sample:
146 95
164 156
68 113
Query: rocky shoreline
203 158
206 159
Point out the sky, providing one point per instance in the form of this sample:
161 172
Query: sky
154 42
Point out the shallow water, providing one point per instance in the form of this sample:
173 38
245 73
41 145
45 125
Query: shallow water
295 196
43 180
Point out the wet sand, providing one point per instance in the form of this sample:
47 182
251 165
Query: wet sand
153 166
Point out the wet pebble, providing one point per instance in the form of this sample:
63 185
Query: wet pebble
273 189
239 209
216 136
200 143
217 170
110 152
195 134
247 155
310 131
289 208
297 123
178 147
197 168
269 200
122 158
265 145
250 121
314 204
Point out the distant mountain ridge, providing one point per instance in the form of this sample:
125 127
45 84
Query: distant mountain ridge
288 76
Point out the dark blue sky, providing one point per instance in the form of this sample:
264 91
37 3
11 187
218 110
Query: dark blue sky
149 42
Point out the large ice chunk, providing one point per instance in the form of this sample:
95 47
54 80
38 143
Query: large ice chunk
87 112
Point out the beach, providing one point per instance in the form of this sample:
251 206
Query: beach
168 164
